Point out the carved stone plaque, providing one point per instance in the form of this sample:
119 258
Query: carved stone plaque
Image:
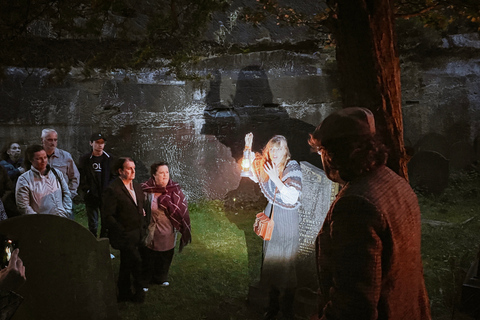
318 193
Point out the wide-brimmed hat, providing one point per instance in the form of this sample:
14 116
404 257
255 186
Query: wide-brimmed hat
348 122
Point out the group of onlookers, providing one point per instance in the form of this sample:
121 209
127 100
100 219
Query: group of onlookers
141 221
45 181
367 251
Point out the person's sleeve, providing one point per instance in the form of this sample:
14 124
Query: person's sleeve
73 177
22 196
109 208
12 172
289 194
253 177
66 197
83 179
292 184
356 258
7 184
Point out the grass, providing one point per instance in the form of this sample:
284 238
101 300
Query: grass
210 278
450 242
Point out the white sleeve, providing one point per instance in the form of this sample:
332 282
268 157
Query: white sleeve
253 176
289 195
22 196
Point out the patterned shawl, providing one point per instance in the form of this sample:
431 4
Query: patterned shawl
173 202
291 177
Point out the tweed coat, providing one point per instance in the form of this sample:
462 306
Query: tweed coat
368 252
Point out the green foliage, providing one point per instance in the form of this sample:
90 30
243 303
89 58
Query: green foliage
446 15
109 34
453 15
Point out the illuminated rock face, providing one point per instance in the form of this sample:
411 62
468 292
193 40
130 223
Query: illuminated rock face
199 126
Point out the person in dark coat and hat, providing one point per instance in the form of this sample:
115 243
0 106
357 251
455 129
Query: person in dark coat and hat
368 249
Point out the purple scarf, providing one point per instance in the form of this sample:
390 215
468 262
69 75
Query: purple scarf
173 202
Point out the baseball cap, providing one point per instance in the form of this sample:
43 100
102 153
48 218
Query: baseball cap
97 136
348 122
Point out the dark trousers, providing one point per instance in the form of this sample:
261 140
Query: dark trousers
130 267
280 299
94 216
155 265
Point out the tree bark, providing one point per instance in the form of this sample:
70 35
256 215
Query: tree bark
369 68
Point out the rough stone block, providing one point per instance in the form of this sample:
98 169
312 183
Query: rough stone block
69 272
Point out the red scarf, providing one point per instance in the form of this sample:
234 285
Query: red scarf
173 202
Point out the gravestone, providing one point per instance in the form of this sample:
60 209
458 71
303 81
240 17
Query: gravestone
433 142
428 172
69 272
318 193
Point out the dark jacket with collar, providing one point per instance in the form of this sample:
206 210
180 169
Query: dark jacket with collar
88 179
125 220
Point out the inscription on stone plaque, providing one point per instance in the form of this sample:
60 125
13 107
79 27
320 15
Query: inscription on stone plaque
318 193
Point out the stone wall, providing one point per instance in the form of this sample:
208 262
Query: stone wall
150 116
198 126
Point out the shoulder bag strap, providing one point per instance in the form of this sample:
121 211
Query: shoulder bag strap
58 178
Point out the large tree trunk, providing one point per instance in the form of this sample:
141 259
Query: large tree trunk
369 68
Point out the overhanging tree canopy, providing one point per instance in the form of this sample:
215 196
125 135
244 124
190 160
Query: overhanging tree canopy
367 54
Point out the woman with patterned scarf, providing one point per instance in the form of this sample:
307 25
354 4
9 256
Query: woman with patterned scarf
167 214
280 180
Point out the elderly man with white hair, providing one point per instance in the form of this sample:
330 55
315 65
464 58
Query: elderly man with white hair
61 160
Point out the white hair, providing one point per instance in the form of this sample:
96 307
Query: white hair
46 132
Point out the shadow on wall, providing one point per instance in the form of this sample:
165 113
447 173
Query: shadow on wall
253 111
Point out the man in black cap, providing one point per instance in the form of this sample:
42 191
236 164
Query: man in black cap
95 175
368 250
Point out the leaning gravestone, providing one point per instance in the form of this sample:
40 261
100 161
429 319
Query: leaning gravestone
433 142
69 272
318 192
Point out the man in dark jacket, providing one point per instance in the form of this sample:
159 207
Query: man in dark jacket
95 176
123 203
368 250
